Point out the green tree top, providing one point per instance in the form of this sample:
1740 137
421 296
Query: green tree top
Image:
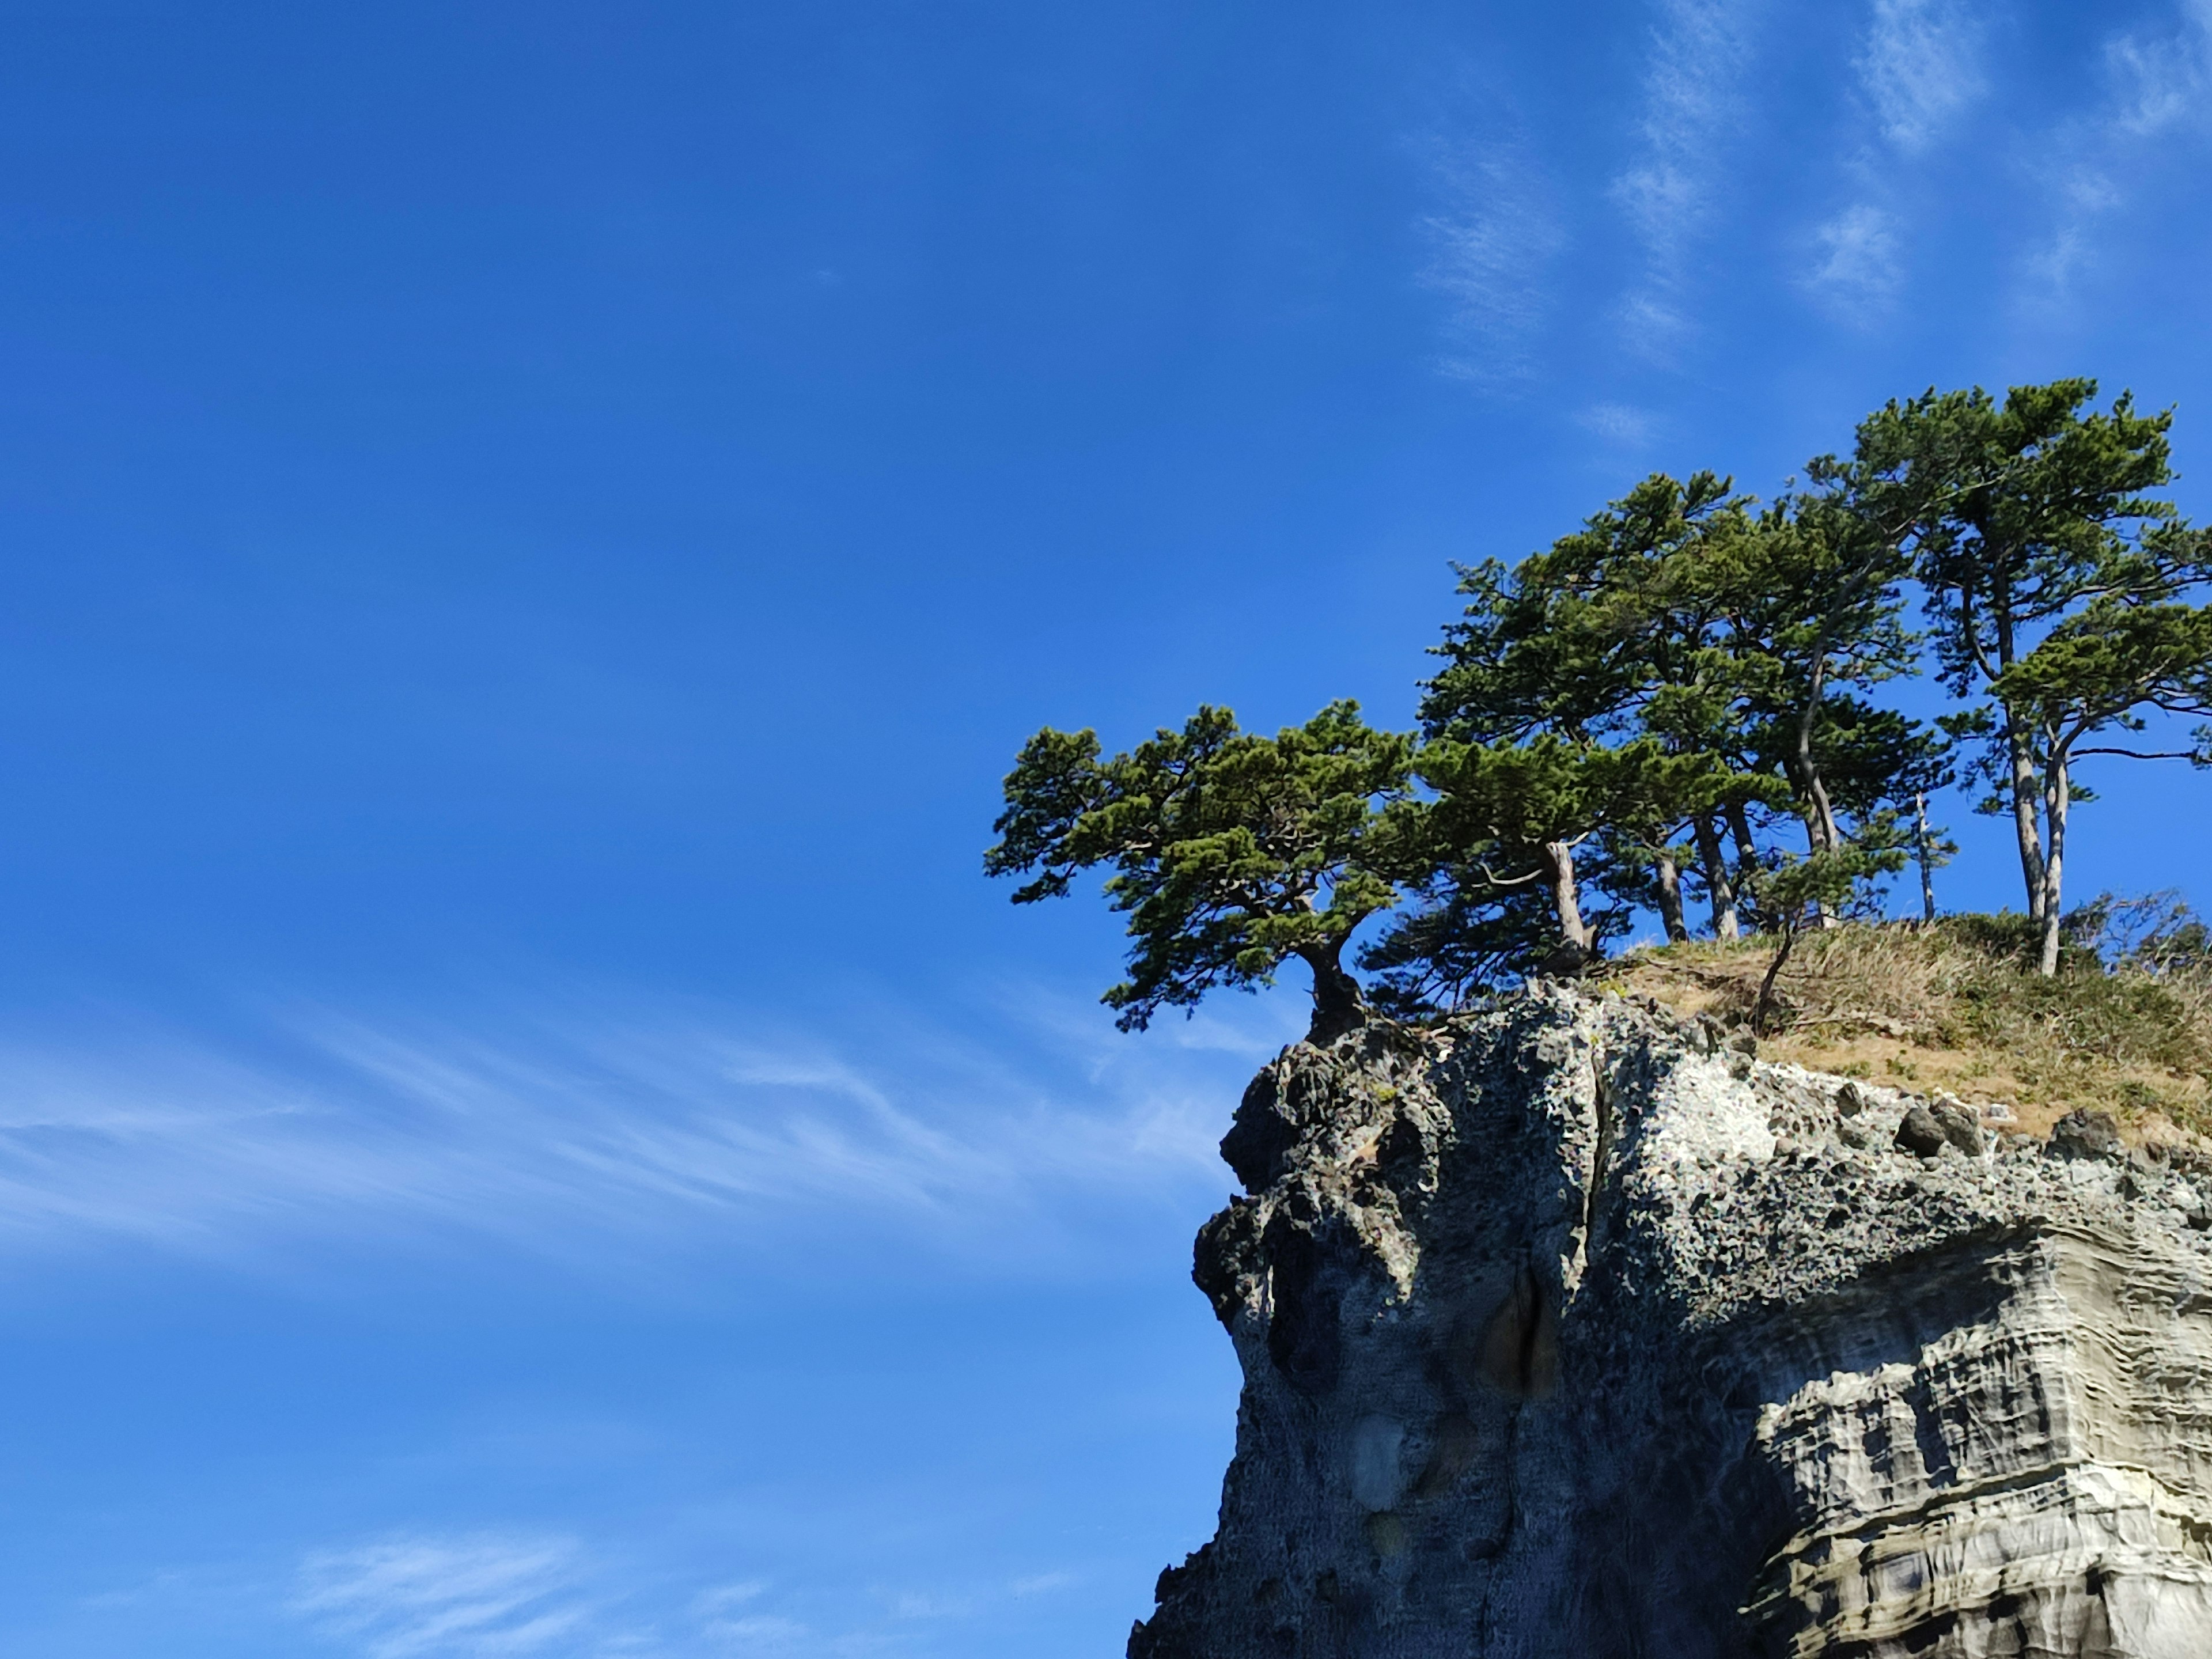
2055 582
1230 851
1569 639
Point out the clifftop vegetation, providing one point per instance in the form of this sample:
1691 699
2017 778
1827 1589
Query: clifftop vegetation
1676 710
2124 1025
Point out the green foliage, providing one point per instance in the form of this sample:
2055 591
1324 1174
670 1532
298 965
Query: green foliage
2157 933
1680 658
1495 854
1505 803
1577 638
2018 513
1230 851
1680 695
2096 669
2055 587
1464 935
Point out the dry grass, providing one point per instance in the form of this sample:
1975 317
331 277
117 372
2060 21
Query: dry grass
1954 1007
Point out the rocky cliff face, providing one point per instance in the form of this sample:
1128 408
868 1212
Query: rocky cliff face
1572 1331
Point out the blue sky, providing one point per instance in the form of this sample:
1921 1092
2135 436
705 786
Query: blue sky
531 534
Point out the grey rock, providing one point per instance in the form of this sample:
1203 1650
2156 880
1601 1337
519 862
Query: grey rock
1959 1126
2087 1134
1920 1134
1547 1352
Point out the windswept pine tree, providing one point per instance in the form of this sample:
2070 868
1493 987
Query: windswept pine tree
1231 851
1557 671
1679 697
2059 589
1662 689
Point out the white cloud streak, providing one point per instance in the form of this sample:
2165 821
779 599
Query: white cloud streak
2157 90
492 1595
1859 266
567 1130
1619 423
1492 240
1920 69
1699 50
2162 84
477 1597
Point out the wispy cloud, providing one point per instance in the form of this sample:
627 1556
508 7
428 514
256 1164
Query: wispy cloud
1492 240
1858 267
767 1635
1699 50
506 1596
2157 90
2164 82
447 1598
573 1125
1918 71
1619 423
1920 68
731 1621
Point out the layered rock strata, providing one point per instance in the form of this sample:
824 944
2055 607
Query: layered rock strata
1572 1330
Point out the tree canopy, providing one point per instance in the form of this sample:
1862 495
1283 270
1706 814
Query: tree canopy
2055 587
1230 851
1681 698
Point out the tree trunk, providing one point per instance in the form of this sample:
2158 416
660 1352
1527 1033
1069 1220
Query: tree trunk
1927 860
2024 792
2018 755
1560 858
1338 1003
2057 796
1717 884
1820 831
1819 815
1670 899
1739 822
1817 910
1763 1010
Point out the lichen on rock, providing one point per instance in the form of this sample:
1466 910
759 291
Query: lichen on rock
1570 1328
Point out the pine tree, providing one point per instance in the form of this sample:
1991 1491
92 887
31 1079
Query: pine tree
2056 588
1232 852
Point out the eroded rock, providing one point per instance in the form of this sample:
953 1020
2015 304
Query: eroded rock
1572 1331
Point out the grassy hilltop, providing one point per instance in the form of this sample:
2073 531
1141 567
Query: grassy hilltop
2125 1026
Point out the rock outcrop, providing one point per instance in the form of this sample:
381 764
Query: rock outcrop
1573 1330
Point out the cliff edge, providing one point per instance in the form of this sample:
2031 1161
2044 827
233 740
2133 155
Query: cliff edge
1568 1328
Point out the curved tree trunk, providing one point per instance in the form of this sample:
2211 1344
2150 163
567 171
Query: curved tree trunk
1338 1003
1819 813
1746 850
2057 797
1926 856
1670 899
2024 791
1717 884
1566 899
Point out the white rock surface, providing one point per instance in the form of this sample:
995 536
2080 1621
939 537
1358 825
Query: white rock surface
1572 1331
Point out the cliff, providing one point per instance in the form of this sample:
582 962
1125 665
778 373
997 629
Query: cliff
1571 1329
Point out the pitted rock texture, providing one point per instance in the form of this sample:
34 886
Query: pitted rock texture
1572 1330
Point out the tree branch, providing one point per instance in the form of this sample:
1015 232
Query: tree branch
1497 880
2138 753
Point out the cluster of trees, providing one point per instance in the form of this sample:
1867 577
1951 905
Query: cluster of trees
1672 709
